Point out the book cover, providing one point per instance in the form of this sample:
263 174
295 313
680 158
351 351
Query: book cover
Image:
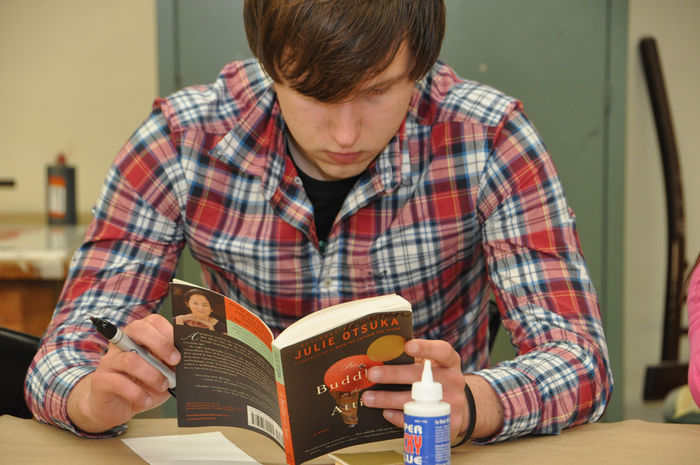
302 389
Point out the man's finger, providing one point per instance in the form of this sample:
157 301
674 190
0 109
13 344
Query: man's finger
386 399
155 333
440 352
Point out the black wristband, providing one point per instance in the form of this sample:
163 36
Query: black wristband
471 405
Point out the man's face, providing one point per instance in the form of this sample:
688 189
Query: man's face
339 140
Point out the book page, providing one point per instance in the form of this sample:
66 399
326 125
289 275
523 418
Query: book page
226 376
384 457
331 317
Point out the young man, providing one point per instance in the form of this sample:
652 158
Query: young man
343 163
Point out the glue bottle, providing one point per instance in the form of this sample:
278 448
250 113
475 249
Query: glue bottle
60 194
426 429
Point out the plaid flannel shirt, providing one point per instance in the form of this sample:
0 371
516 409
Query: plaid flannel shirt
464 200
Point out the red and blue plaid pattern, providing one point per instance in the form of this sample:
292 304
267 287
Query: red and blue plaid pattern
463 201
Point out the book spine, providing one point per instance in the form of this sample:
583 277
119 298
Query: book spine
284 410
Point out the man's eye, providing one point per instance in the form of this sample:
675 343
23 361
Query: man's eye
376 91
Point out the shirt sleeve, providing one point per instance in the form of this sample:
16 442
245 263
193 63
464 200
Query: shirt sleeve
120 272
561 376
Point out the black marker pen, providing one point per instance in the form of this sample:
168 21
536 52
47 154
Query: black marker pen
124 343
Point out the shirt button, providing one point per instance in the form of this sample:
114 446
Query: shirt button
297 181
327 283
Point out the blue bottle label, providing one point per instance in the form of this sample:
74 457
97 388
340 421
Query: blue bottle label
426 440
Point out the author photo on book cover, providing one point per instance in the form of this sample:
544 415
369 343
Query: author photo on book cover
199 311
344 161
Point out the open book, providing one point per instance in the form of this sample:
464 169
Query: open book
302 388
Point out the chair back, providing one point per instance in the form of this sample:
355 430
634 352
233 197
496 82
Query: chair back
671 371
17 350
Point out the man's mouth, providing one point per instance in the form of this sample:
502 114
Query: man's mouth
344 157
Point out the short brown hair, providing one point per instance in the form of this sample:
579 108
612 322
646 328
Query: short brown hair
326 49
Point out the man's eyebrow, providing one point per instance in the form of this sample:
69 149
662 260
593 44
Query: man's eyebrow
386 82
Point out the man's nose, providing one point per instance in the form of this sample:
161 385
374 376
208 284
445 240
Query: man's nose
345 124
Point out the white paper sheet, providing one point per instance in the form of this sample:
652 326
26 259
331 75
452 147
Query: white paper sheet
199 449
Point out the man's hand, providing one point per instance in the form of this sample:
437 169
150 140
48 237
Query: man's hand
124 384
447 371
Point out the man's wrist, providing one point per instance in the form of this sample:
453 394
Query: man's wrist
77 406
79 410
488 405
471 412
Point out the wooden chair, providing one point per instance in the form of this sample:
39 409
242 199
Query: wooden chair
670 372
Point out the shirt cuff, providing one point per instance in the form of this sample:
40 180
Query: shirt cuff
520 399
56 403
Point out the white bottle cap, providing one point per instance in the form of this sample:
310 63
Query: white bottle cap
426 389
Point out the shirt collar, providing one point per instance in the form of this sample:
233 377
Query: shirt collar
256 146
